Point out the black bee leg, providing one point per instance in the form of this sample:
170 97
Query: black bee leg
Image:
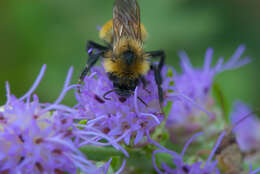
94 51
91 46
157 71
158 80
161 55
144 82
91 61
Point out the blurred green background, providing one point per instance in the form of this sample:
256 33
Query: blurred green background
54 32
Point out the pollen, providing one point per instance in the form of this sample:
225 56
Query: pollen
106 32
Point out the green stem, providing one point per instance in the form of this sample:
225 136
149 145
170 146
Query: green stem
140 159
100 153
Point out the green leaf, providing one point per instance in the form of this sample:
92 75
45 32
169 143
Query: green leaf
141 161
116 162
164 158
100 153
167 109
221 100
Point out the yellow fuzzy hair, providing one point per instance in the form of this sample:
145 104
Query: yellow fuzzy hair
115 64
106 32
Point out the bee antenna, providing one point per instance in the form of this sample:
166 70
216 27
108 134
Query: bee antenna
139 98
243 118
108 92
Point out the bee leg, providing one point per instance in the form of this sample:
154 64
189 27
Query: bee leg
91 46
158 80
91 61
94 51
157 71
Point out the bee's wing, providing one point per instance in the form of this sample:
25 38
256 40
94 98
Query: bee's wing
126 20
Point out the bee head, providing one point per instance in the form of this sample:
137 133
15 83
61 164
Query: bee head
124 87
125 90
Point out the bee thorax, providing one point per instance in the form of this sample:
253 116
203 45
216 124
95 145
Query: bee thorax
129 57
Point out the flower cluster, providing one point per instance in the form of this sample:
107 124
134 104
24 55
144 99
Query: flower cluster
185 118
182 167
120 118
37 137
198 167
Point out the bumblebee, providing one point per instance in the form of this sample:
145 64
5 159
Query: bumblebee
123 57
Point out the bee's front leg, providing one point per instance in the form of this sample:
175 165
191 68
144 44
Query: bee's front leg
94 51
92 46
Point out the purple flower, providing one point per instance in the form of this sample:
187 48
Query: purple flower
247 131
182 167
255 171
120 118
196 84
37 138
